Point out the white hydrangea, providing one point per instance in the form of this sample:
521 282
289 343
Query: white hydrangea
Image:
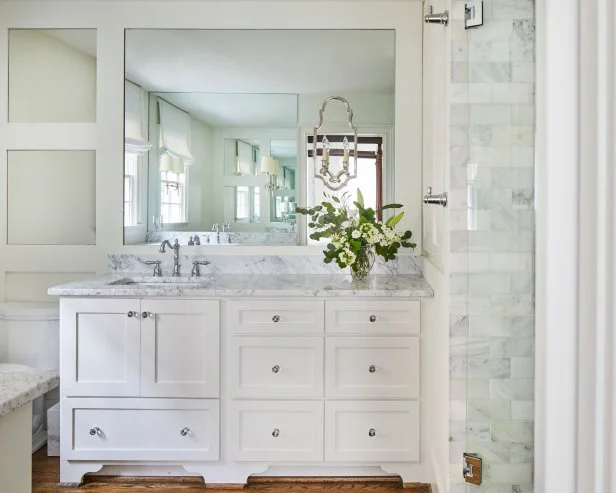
347 257
346 224
356 234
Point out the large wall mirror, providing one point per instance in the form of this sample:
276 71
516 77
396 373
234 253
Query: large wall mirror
218 126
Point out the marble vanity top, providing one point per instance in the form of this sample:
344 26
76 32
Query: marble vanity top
225 285
17 388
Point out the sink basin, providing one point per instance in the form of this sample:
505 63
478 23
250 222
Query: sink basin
158 281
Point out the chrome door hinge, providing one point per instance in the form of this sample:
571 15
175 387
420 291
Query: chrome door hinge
473 14
471 468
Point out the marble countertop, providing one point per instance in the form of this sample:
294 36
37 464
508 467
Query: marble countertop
17 388
236 285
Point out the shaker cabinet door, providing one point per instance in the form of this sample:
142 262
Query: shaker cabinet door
180 345
99 347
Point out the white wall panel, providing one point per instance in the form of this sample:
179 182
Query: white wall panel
51 198
50 81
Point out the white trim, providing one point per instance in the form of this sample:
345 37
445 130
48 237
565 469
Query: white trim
557 240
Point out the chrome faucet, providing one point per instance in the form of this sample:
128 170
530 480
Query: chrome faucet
176 254
226 226
216 227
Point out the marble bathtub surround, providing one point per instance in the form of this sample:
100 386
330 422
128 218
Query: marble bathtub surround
215 285
253 264
19 388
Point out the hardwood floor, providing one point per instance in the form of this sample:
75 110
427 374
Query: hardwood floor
46 474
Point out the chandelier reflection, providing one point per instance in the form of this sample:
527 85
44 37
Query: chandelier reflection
336 166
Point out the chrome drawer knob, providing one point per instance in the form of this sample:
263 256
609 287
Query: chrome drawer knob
276 318
372 369
185 431
145 314
373 318
275 368
95 431
131 314
371 432
276 432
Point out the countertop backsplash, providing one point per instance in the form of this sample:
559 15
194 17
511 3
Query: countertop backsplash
253 264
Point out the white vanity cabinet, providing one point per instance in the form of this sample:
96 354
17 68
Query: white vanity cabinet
230 387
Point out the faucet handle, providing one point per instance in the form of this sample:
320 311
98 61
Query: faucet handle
226 226
197 240
176 244
215 227
195 270
191 241
156 264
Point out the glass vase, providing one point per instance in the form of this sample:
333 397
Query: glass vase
363 263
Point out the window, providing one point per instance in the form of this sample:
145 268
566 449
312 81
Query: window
172 197
247 204
132 187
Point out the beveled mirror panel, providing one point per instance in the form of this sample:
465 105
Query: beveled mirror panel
216 124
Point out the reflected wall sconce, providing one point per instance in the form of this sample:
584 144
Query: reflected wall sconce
269 166
334 180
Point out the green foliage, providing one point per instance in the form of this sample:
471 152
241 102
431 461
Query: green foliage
350 236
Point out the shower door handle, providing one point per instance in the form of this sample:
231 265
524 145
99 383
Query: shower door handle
437 199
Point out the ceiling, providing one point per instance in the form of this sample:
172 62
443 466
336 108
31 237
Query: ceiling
238 110
261 61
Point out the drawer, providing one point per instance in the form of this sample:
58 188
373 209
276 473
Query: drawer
265 367
372 317
380 431
141 429
252 317
285 431
372 367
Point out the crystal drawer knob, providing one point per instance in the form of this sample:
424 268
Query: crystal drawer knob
275 368
95 431
373 318
371 432
275 433
372 369
145 314
131 314
276 318
185 431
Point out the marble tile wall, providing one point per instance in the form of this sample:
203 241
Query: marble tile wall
492 246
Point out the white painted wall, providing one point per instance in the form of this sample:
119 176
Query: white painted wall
50 81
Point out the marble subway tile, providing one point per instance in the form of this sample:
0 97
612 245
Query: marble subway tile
511 473
488 367
492 156
523 114
477 388
523 367
457 389
522 452
512 431
490 51
513 9
489 409
523 72
491 452
496 325
456 451
489 71
469 346
511 262
481 135
457 431
478 431
457 199
524 198
513 93
459 74
513 135
515 389
458 325
465 305
459 114
457 367
490 114
512 305
457 410
523 41
488 284
523 410
503 347
523 156
458 241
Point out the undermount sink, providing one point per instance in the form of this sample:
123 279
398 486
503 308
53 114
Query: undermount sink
157 281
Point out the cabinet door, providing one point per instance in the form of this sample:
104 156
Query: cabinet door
180 348
99 347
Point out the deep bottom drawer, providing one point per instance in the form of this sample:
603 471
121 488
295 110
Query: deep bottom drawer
379 431
141 429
